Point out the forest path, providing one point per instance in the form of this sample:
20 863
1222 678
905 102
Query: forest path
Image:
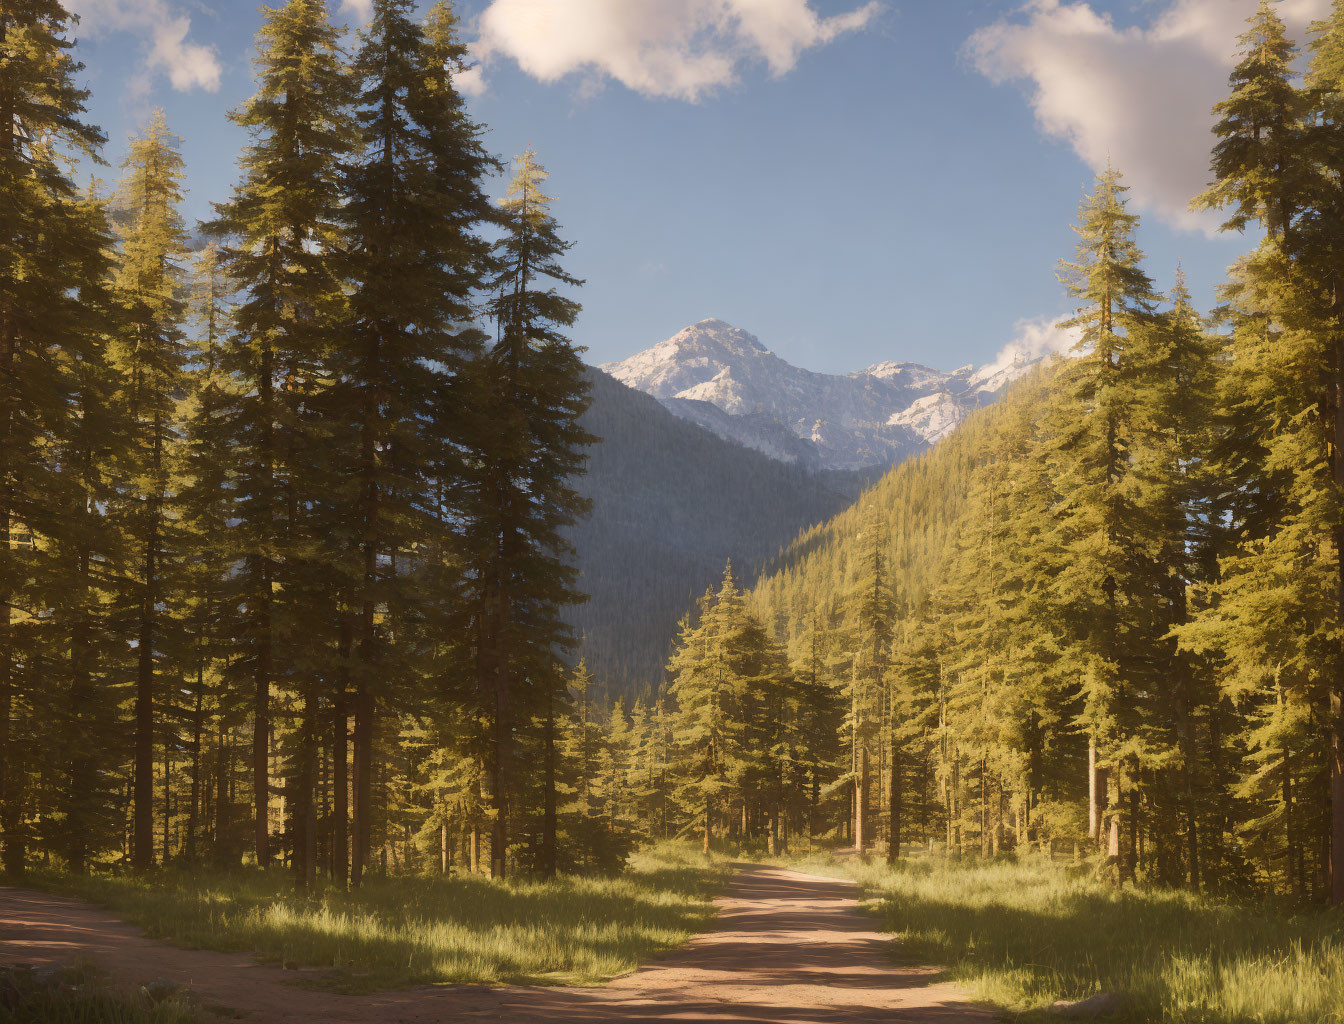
786 948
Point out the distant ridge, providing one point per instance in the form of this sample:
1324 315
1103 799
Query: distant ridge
726 380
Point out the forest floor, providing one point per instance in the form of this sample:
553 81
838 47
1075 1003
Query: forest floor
784 947
1023 933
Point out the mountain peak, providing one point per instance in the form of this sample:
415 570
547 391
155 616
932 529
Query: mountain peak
724 333
876 416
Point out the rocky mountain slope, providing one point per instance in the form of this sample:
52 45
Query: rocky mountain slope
724 379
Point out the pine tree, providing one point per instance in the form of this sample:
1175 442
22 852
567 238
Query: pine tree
1256 164
204 508
281 229
1105 578
149 354
535 389
83 560
44 241
705 734
414 201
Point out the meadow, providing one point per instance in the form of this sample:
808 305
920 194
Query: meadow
411 930
1023 933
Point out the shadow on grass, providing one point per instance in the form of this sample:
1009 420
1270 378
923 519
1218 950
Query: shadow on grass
1024 935
82 995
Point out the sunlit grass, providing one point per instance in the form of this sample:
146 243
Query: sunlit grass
1022 934
430 930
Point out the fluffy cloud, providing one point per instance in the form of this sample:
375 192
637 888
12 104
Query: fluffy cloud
682 49
188 65
1033 339
1140 96
360 10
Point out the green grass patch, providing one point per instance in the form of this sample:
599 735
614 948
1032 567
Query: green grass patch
430 930
81 995
1022 934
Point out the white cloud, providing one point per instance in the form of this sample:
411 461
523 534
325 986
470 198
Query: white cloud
682 49
360 10
188 65
1032 339
1139 96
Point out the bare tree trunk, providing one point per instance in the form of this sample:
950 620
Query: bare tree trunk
142 856
1335 708
894 842
861 802
1096 785
198 728
548 829
11 797
340 790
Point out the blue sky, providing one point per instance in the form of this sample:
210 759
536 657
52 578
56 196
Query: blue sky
894 185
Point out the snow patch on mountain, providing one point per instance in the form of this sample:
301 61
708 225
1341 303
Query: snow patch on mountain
932 417
723 378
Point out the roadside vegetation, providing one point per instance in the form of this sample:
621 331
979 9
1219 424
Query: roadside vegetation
82 995
1021 933
411 930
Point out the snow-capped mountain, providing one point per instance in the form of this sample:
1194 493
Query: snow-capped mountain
724 379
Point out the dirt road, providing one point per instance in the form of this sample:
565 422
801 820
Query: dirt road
787 948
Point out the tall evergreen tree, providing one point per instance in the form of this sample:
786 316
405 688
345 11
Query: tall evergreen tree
414 201
149 354
1105 577
83 560
535 389
45 240
281 228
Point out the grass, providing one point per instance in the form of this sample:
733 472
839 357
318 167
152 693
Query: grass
430 930
1022 934
80 995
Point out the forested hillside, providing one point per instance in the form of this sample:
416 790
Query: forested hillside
672 503
1107 613
282 573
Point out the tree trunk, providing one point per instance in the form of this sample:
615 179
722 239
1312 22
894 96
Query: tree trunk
302 818
363 830
261 746
10 796
340 791
861 801
548 850
83 769
707 827
222 806
1335 709
984 809
895 804
198 729
142 856
1098 782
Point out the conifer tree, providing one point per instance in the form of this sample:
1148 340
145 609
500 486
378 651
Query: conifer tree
534 386
704 731
82 560
204 508
44 240
280 226
414 201
1257 167
149 355
1104 580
